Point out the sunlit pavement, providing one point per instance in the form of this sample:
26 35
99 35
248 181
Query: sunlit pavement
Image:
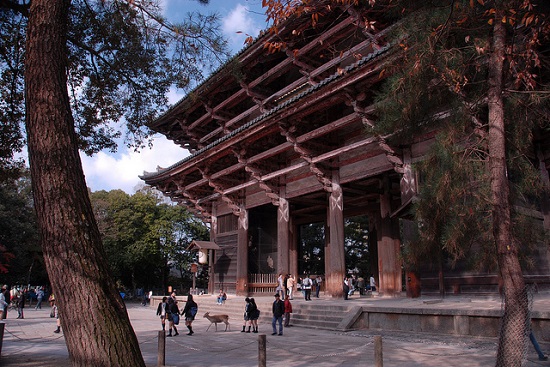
32 342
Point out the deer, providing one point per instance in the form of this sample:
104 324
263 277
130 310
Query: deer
215 319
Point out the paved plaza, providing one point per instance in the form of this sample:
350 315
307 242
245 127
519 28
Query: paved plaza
31 342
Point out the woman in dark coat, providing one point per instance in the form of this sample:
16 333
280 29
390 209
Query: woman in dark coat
189 311
254 315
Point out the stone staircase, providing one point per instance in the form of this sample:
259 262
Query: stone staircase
319 316
314 314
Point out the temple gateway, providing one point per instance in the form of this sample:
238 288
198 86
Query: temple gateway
280 141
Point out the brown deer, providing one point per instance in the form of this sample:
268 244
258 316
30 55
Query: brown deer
215 319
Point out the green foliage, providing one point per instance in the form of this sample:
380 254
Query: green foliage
145 237
21 259
123 57
440 87
356 244
453 213
12 48
312 249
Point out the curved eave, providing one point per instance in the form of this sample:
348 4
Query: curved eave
161 174
247 52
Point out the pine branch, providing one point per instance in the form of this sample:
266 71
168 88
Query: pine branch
21 8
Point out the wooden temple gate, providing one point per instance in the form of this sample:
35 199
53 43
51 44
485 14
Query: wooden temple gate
288 137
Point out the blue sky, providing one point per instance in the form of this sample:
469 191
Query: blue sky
106 171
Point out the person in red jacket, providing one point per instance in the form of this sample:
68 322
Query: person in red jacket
288 311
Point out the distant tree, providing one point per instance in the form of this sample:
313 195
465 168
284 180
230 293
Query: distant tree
356 245
312 249
21 259
177 228
87 66
145 237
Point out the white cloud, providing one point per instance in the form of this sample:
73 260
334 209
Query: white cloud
239 23
108 172
174 96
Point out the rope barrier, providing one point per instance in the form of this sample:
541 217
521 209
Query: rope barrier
33 340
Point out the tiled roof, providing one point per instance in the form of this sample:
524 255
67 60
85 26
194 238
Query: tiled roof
273 111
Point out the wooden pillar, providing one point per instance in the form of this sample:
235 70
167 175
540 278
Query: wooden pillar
283 233
242 253
389 264
212 276
545 202
293 250
335 266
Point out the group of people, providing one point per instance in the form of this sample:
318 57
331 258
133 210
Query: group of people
18 298
251 315
287 285
352 283
169 310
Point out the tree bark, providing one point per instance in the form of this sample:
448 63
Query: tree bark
93 316
514 320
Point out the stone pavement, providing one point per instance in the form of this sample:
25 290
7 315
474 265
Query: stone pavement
31 342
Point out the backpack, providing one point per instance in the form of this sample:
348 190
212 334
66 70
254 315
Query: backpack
193 311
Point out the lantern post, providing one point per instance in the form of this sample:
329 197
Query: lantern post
206 255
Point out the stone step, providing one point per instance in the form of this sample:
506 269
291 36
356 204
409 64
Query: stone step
316 315
307 317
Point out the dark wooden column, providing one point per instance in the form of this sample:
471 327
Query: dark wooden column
389 265
212 276
335 266
545 202
293 250
242 253
283 232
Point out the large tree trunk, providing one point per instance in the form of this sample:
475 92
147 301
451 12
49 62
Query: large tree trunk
95 323
514 320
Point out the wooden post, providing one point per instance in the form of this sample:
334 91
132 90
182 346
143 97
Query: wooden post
161 357
262 357
335 265
2 325
389 247
283 231
378 358
242 253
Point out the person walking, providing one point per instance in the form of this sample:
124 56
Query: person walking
280 286
307 283
161 311
173 315
246 316
288 311
542 356
254 315
291 284
21 303
190 311
361 285
318 282
39 297
346 288
55 311
7 298
372 283
278 312
285 287
3 303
